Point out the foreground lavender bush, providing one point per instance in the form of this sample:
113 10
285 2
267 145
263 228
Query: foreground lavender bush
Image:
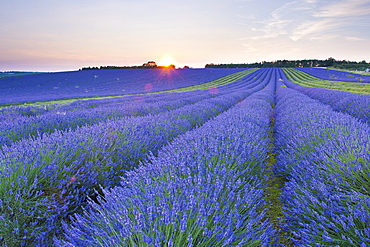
46 179
353 104
325 156
203 189
45 168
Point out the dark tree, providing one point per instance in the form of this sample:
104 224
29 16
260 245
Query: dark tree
151 64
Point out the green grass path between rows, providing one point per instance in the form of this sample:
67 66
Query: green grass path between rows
306 80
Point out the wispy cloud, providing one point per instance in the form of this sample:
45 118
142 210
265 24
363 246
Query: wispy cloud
333 18
311 1
348 8
354 38
281 20
317 28
312 27
313 20
325 37
273 26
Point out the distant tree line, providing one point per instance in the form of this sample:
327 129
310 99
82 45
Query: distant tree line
330 62
148 65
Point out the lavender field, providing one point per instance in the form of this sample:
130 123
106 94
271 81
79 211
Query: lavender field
93 83
188 157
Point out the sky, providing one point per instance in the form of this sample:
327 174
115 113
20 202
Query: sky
65 35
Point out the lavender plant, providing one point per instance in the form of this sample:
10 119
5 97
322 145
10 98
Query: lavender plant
22 122
15 126
189 169
325 156
48 178
203 189
353 104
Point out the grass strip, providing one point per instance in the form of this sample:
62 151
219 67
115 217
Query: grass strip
275 185
304 79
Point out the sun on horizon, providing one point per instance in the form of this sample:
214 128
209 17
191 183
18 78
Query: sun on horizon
167 61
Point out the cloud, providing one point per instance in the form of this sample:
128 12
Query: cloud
318 28
311 1
312 20
335 18
353 38
348 8
282 20
325 37
312 27
275 25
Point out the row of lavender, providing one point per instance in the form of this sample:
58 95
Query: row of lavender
353 104
335 75
322 153
203 189
11 112
92 83
47 178
207 184
22 122
325 157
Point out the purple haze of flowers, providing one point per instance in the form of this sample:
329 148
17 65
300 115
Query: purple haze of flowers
203 189
353 104
22 122
19 122
325 156
334 75
48 178
90 83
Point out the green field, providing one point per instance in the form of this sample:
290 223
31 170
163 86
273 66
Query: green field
307 80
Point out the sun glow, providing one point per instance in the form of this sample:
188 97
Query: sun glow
166 61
